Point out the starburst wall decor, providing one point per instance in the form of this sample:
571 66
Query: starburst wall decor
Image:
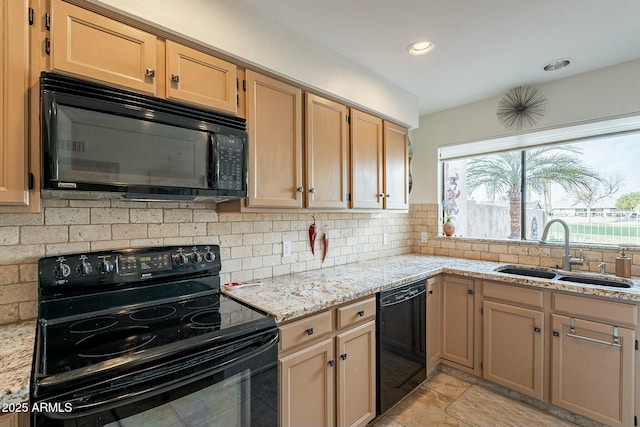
521 108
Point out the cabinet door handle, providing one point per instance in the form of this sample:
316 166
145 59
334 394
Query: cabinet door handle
537 330
332 362
387 195
309 331
556 333
430 291
343 356
150 73
300 189
175 78
312 190
361 313
381 195
470 291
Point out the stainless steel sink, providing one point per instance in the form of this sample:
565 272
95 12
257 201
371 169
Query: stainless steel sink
529 272
549 274
596 281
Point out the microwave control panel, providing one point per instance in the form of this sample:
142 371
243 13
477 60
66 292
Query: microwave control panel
230 162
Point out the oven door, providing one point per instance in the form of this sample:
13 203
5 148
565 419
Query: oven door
235 384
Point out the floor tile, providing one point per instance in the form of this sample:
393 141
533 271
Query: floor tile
424 407
481 407
447 385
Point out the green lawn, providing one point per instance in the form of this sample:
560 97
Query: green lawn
603 230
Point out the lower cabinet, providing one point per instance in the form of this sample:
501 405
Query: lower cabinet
458 321
329 380
14 420
513 347
434 323
593 370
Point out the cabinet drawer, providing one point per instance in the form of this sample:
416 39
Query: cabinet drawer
356 312
515 294
610 311
305 330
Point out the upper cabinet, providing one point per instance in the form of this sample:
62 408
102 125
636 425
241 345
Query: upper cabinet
93 46
366 161
14 76
327 132
90 45
396 167
274 123
195 77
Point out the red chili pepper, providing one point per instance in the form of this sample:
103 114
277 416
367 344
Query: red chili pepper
325 238
313 232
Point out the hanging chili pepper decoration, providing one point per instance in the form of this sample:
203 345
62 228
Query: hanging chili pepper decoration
313 232
325 238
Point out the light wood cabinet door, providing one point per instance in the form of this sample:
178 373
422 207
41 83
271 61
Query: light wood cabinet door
356 358
366 161
434 323
307 387
513 347
458 321
14 78
9 420
274 124
592 373
93 46
195 77
326 130
396 167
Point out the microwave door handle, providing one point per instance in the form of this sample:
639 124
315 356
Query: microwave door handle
214 171
51 136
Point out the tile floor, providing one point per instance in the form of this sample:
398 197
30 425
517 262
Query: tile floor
448 401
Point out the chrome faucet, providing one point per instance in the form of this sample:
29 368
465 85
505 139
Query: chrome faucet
567 260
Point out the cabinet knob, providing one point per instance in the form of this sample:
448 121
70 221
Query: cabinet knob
537 330
175 78
300 189
381 195
361 313
309 331
430 291
556 333
470 291
312 190
387 195
332 362
343 356
151 73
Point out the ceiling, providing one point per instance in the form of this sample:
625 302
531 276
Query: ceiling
483 48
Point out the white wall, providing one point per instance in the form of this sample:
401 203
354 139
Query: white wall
232 27
604 93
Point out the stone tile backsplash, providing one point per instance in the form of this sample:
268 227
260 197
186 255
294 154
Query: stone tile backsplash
251 243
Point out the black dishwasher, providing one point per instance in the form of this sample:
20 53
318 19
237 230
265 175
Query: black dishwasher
402 337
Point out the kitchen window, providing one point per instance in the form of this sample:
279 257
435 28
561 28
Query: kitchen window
509 188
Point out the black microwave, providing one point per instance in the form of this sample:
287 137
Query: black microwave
104 141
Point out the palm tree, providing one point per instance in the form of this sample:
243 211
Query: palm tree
500 174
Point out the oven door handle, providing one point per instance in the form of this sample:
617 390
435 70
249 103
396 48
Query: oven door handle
86 405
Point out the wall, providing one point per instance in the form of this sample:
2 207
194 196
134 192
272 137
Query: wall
604 93
255 38
251 243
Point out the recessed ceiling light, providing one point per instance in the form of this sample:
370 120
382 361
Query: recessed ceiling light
556 64
420 47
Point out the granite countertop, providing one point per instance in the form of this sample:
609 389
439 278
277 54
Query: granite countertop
297 295
16 353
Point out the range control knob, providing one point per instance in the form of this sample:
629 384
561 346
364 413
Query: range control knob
181 259
195 257
105 266
84 268
61 271
209 256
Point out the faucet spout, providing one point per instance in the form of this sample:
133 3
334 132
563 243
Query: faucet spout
567 260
